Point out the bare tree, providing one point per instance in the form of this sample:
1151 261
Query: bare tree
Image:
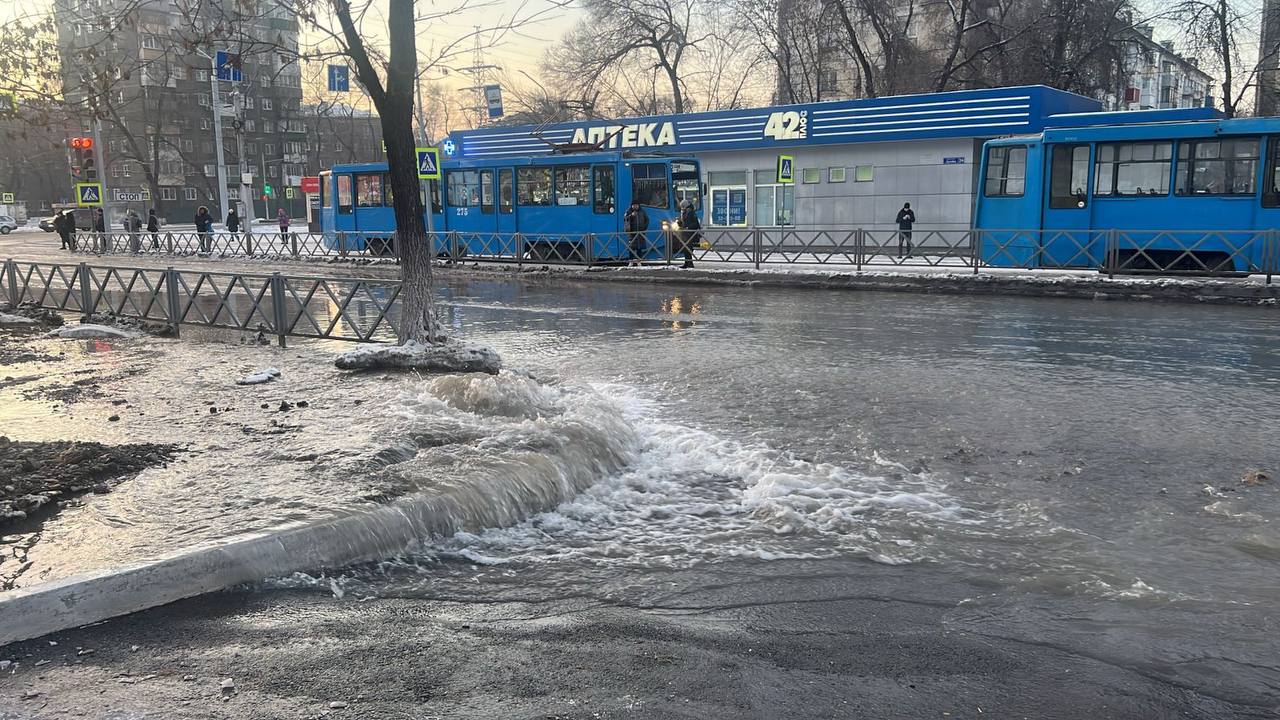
1224 36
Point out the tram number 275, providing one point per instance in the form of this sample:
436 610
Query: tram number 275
787 125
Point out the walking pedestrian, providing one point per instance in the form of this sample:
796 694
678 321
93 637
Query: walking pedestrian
99 230
906 218
133 224
690 231
69 223
204 226
282 218
153 227
634 223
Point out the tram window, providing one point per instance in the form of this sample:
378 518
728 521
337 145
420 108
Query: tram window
1133 169
389 198
533 186
369 190
1068 176
344 194
486 191
463 187
506 191
1218 167
688 184
605 198
573 185
649 185
326 192
1006 171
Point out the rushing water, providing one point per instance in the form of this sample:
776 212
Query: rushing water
1073 467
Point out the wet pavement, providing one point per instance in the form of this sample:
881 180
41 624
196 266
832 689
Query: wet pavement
824 504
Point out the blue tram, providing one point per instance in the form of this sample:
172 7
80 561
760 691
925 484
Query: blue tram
1189 196
567 206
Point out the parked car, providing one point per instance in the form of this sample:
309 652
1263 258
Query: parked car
46 224
7 225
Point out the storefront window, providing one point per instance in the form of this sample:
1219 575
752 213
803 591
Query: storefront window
775 202
728 193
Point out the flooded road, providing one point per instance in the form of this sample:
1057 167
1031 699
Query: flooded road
1058 473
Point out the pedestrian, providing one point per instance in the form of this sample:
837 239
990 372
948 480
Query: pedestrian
906 217
133 224
60 226
153 227
690 231
282 218
99 230
69 224
204 226
634 223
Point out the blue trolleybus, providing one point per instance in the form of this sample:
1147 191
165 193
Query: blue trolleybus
1185 196
566 206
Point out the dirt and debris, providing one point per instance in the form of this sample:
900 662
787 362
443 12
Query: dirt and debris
1256 477
36 475
42 317
154 329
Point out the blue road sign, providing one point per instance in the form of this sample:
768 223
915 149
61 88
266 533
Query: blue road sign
786 172
229 66
493 100
339 78
89 194
428 163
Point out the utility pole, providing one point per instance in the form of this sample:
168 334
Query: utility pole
218 152
478 71
246 191
98 164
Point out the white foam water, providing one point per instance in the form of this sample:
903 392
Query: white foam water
685 495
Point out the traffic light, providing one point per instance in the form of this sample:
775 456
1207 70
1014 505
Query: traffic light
267 191
83 165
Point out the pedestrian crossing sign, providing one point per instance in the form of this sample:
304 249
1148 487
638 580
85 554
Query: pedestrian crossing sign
786 169
428 163
7 198
89 194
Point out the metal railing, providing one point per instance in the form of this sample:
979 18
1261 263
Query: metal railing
360 310
1167 252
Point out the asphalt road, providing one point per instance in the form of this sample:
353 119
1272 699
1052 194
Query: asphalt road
851 641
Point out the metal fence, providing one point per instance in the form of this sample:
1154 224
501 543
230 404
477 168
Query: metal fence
353 309
1167 252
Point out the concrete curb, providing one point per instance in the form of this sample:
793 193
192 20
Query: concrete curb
82 599
1082 287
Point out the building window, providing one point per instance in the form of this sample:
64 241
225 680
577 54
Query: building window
191 194
864 173
573 185
204 100
179 72
188 146
835 174
1130 169
649 185
1218 167
168 193
533 186
210 170
272 171
204 123
809 176
266 104
1006 171
250 126
728 198
150 42
248 103
251 147
775 202
128 169
264 81
269 148
202 76
115 170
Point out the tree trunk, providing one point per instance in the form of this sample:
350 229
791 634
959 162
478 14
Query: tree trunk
1224 47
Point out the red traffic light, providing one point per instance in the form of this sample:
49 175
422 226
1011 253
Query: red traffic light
82 143
265 198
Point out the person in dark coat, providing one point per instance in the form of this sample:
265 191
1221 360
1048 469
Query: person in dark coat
204 226
60 225
153 227
233 221
690 231
634 223
906 218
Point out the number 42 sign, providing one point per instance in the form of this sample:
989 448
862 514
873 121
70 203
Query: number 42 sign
787 125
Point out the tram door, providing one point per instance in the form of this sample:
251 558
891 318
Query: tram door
506 202
1068 239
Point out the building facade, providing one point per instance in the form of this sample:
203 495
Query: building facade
1154 76
149 80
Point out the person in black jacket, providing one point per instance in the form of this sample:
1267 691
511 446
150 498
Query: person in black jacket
634 223
690 231
906 217
153 227
64 233
204 226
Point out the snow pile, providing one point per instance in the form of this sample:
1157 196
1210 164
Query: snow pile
90 331
450 356
7 319
259 377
